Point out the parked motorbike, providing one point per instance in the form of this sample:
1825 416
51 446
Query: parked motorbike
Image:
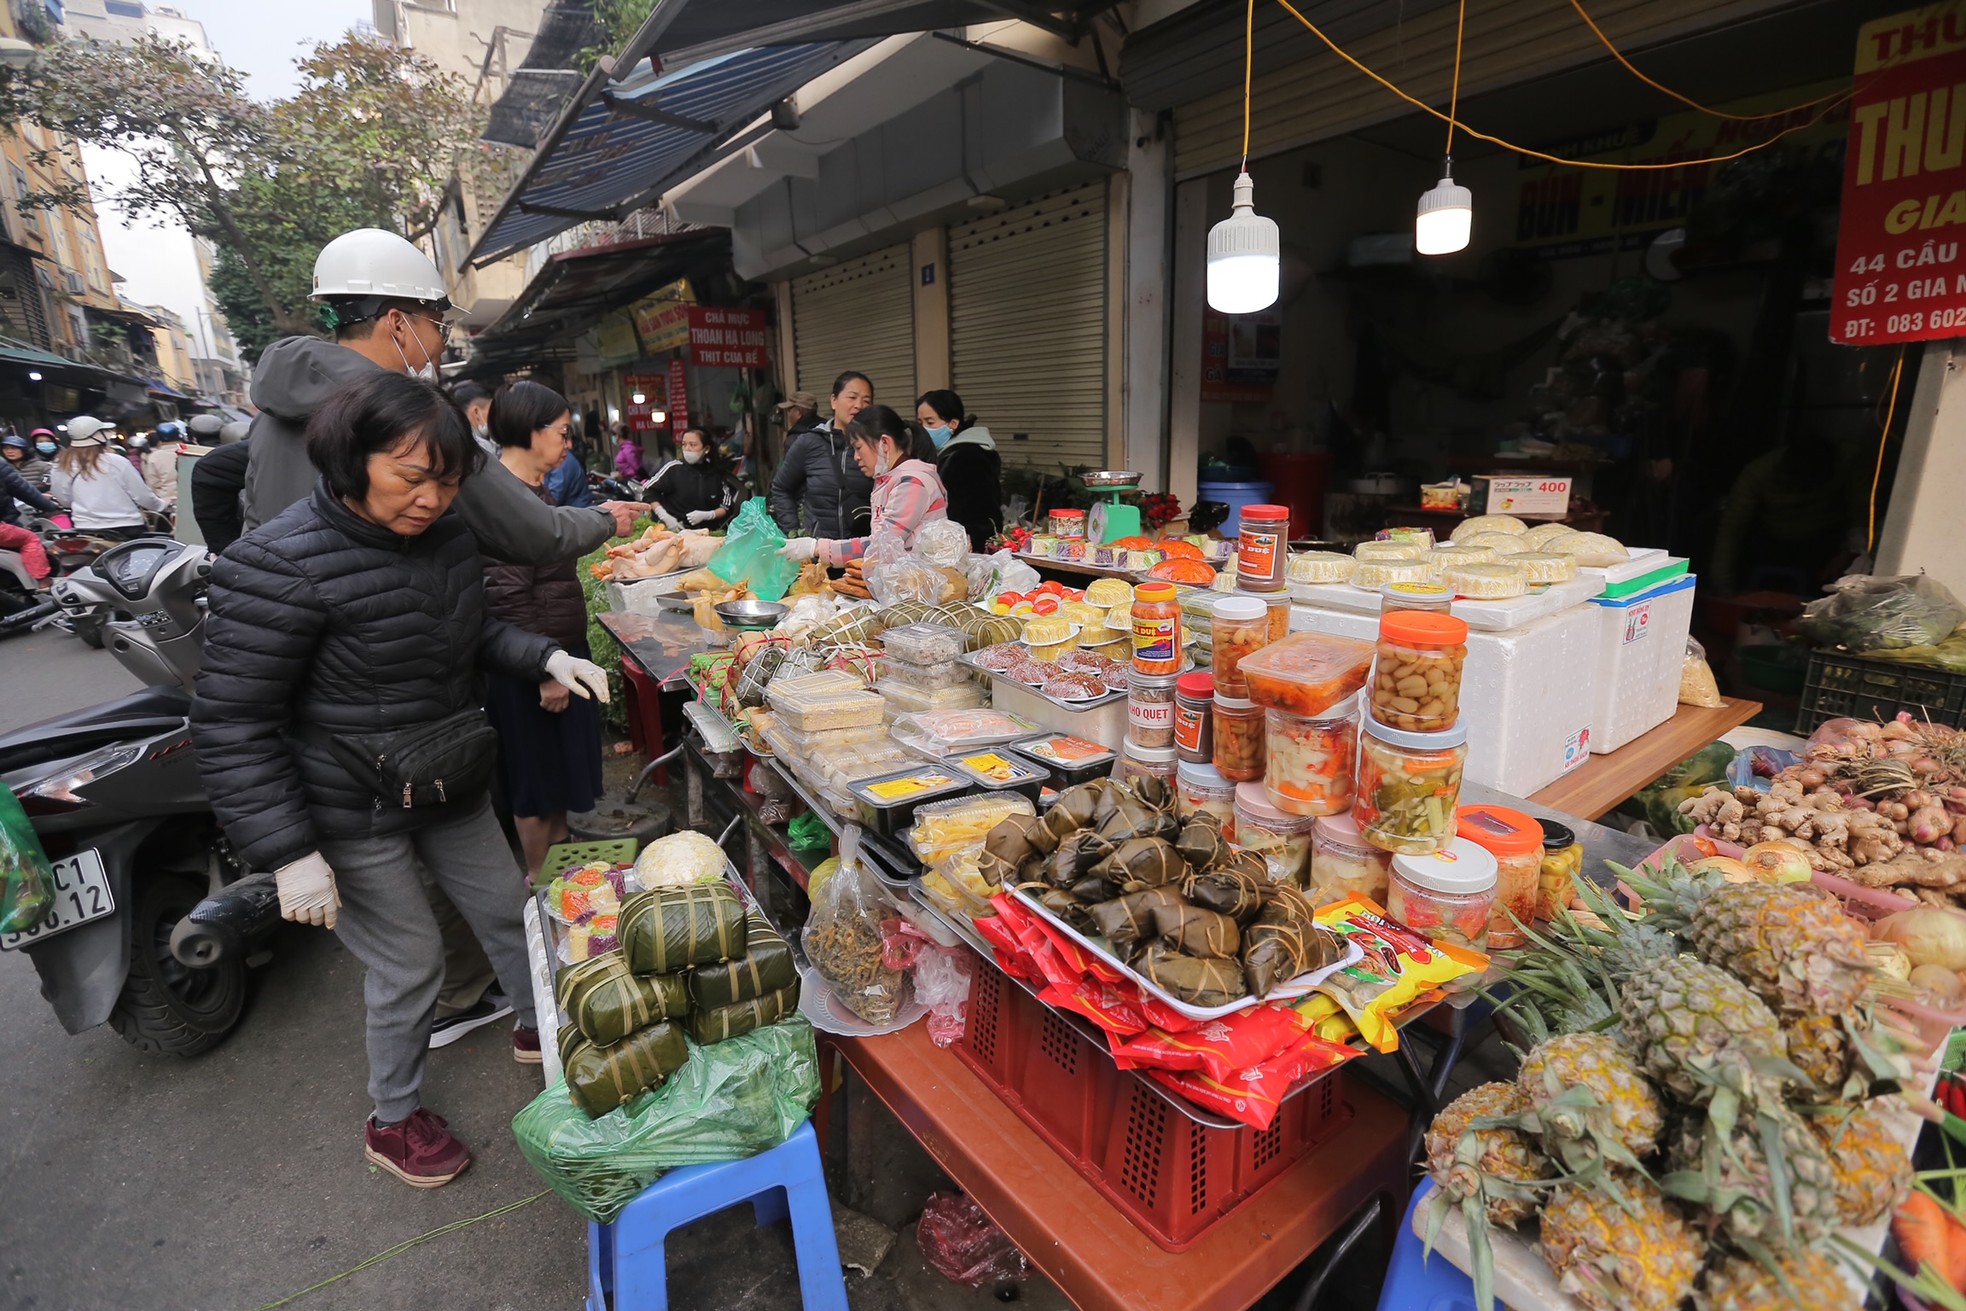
87 601
23 606
114 795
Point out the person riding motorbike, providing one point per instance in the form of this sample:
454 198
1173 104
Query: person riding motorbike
218 480
105 494
39 466
15 486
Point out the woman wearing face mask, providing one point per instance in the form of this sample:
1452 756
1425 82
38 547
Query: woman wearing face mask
966 457
819 488
39 466
692 490
899 458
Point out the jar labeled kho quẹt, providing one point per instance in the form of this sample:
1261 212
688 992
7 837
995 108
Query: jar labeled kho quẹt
1516 842
1240 627
1445 895
1150 710
1409 785
1263 548
1194 718
1416 671
1238 738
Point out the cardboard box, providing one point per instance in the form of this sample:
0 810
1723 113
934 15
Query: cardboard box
1497 493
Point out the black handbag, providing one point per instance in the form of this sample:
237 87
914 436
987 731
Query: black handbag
430 765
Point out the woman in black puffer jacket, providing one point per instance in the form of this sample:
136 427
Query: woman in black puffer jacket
549 743
359 613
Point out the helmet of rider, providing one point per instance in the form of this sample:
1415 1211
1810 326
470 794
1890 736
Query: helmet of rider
205 429
18 443
234 432
358 270
140 441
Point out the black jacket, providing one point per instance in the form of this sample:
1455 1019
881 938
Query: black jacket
972 474
543 599
13 488
818 469
217 480
323 620
679 487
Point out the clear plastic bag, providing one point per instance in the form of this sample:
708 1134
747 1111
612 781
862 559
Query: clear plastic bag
26 879
1696 682
944 543
942 982
990 575
750 555
964 1245
730 1100
905 578
1866 613
845 938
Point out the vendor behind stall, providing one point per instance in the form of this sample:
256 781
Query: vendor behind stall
908 492
694 490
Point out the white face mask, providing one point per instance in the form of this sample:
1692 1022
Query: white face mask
428 372
692 457
882 461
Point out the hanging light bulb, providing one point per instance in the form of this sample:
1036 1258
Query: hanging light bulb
639 398
1245 256
1446 216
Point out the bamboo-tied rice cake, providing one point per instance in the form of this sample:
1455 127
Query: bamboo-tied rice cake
671 929
765 967
1196 980
606 1001
734 1021
602 1078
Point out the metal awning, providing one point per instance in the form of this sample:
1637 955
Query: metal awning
545 77
680 31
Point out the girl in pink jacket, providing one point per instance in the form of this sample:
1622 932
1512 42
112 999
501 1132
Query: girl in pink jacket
908 492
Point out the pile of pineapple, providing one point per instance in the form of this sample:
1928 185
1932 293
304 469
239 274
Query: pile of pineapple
1695 1112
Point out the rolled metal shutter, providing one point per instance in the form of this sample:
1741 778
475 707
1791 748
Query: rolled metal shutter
858 315
1027 327
1508 41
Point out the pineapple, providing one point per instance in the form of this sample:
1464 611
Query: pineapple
1698 1031
1588 1100
1725 1168
1620 1246
1466 1162
1871 1169
1819 1048
1803 1280
1793 946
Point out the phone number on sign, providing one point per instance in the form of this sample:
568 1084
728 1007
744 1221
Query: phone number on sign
1913 321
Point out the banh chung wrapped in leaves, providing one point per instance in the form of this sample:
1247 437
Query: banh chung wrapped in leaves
1197 932
1200 841
765 967
1077 807
1143 863
1078 855
1127 923
1012 844
1132 817
1286 941
1229 889
721 1022
602 1078
606 1001
668 929
1068 908
1195 980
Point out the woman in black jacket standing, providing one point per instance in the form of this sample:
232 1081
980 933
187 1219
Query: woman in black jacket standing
693 490
340 736
818 490
966 457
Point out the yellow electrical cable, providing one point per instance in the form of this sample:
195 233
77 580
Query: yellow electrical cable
1525 151
1454 95
1883 440
1688 101
1248 77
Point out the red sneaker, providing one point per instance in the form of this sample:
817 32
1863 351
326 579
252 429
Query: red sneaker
525 1044
419 1150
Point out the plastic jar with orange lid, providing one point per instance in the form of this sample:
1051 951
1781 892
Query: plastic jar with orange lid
1263 548
1068 525
1416 672
1156 629
1516 842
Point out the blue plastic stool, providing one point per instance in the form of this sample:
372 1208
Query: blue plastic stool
1416 1283
626 1259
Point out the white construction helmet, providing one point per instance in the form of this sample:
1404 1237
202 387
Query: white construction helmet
372 262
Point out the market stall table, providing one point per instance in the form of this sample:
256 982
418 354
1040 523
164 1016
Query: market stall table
1595 787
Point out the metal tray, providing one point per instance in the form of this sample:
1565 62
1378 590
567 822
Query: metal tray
1090 703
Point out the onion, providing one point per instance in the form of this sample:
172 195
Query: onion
1727 867
1889 959
1783 860
1937 985
1930 935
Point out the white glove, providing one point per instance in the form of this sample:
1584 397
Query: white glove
583 678
800 549
307 891
700 516
666 517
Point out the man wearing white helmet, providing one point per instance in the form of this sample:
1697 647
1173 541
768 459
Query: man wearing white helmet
386 303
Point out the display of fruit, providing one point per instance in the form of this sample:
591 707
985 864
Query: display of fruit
1589 1099
1871 1168
1803 1280
1727 1172
1621 1246
1488 1165
1698 1030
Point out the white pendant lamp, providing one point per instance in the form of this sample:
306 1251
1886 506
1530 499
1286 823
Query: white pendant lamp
1245 256
1446 217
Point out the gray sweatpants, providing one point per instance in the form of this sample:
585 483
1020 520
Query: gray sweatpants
387 923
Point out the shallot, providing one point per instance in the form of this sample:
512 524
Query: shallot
1930 935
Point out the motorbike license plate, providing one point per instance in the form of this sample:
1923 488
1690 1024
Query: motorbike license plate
81 894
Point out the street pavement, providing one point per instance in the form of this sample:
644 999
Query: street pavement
233 1180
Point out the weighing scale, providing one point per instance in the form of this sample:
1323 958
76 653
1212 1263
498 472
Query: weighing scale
1111 519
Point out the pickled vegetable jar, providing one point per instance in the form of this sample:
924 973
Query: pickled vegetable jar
1516 842
1068 524
1283 840
1408 786
1238 738
1430 597
1344 864
1556 877
1416 673
1309 763
1279 603
1240 627
1202 787
1194 718
1444 895
1156 629
1138 762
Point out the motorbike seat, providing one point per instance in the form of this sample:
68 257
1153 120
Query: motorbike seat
150 710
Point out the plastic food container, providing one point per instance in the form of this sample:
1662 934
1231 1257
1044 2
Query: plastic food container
941 826
828 739
1202 787
1444 895
1001 771
904 698
1138 762
887 803
1408 786
1397 549
1541 568
925 644
1067 524
1043 545
1238 754
1240 629
1194 718
1556 876
1416 676
1279 604
1309 763
1150 710
1344 864
1070 759
1307 673
1283 840
1198 610
945 732
925 678
1262 548
1156 621
812 712
1516 842
1486 582
1375 574
1430 597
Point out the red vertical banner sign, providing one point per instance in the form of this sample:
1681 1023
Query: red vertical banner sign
1900 275
638 413
678 398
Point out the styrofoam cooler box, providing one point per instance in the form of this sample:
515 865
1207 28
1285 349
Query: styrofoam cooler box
1104 724
1641 647
1526 693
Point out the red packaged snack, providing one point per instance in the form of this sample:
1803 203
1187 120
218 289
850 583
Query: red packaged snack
1253 1096
1113 1007
1218 1048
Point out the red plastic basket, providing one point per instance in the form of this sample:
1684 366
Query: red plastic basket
1172 1177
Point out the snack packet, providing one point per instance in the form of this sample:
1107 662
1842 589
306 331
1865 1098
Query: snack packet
1254 1096
1220 1048
1398 967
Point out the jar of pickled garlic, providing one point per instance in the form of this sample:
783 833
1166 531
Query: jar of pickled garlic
1238 738
1516 842
1344 864
1308 763
1556 877
1444 895
1416 673
1408 786
1283 840
1239 627
1202 787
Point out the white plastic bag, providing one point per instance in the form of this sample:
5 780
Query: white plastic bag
944 543
942 982
990 575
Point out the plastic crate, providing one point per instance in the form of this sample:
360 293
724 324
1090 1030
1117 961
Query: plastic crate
615 851
1171 1176
1839 685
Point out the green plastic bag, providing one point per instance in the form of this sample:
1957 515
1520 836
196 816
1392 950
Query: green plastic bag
1659 800
730 1100
750 555
26 879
